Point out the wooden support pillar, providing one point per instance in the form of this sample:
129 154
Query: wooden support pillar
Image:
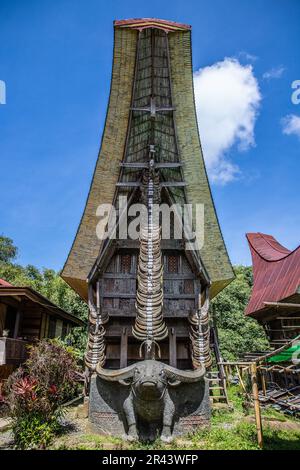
124 348
98 296
43 326
47 326
17 323
172 348
253 369
90 296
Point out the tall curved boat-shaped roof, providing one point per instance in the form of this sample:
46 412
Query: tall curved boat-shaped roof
86 245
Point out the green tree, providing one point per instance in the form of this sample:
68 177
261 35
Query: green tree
8 251
48 283
238 334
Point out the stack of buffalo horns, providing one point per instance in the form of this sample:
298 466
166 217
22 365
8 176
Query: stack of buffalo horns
149 323
200 335
96 343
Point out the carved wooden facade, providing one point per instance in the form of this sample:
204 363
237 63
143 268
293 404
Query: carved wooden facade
117 292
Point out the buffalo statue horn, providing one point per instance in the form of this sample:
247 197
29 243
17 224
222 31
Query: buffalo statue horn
119 375
177 376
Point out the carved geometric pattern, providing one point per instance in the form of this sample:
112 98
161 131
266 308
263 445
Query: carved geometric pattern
173 264
125 264
188 286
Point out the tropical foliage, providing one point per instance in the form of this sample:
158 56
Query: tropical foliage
36 391
237 334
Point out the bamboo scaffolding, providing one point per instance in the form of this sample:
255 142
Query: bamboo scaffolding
252 367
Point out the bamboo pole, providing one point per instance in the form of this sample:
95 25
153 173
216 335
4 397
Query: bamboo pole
241 379
256 404
263 382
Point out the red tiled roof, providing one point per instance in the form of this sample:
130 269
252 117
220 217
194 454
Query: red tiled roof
5 283
276 271
142 23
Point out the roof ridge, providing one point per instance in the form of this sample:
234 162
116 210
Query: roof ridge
141 23
264 235
276 247
3 282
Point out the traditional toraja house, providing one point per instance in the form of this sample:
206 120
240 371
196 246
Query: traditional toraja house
26 317
275 304
149 295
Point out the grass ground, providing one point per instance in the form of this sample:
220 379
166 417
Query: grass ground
231 429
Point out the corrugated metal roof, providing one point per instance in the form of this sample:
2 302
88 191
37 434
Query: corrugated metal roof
276 271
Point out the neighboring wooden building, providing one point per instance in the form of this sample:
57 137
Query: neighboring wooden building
26 317
275 304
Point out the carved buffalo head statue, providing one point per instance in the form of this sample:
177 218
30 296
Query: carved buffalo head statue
150 378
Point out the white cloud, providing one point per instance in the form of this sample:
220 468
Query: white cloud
244 55
227 101
275 72
291 125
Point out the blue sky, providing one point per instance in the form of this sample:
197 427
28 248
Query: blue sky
55 58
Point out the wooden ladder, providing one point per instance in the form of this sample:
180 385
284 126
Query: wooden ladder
217 378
